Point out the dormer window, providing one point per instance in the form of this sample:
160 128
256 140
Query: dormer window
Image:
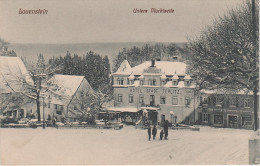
120 81
188 83
152 82
131 82
174 82
141 82
163 82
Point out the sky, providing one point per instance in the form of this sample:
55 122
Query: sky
101 21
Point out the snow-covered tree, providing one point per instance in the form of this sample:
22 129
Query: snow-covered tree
225 54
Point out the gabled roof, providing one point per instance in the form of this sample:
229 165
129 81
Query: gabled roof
169 68
63 87
13 73
124 68
66 84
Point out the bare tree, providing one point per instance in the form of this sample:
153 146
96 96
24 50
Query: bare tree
40 74
223 56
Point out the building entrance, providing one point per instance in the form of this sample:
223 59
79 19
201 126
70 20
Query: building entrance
152 116
232 121
218 120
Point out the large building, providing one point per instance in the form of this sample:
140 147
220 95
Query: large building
226 109
160 90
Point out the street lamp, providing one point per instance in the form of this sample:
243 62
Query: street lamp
43 116
172 114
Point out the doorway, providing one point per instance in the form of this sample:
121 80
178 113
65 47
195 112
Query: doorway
232 121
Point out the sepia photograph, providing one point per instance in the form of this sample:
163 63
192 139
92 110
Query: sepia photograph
129 82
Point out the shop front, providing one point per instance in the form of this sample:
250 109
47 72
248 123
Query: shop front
128 115
150 115
218 120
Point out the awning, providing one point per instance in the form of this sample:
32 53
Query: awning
150 108
122 109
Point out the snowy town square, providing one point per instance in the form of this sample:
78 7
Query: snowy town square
137 83
127 146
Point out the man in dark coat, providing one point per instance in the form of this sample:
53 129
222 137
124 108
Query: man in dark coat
149 132
154 132
166 125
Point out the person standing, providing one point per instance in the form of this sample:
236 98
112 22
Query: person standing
149 132
161 135
166 125
154 132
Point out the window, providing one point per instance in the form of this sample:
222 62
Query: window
120 98
141 82
163 82
246 121
205 117
49 105
188 83
163 100
141 99
58 112
246 102
152 100
174 100
175 83
232 102
187 101
131 98
219 100
218 119
56 106
120 81
152 82
61 107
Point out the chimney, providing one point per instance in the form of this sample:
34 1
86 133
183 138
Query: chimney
153 62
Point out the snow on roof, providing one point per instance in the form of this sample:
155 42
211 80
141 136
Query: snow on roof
66 84
141 77
163 76
136 83
175 77
181 84
13 72
187 77
131 76
124 68
166 66
222 91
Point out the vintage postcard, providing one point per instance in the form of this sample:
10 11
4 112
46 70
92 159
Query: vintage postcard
129 82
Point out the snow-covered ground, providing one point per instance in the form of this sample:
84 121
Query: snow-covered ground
126 146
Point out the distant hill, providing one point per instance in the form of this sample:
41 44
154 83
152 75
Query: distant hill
30 51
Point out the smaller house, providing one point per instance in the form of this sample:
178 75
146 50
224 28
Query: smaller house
14 80
67 97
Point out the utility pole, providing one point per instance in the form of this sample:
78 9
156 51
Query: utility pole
255 82
43 116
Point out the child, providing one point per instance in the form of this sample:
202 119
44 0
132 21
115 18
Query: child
154 132
161 135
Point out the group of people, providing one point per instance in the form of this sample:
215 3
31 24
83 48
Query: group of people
163 132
